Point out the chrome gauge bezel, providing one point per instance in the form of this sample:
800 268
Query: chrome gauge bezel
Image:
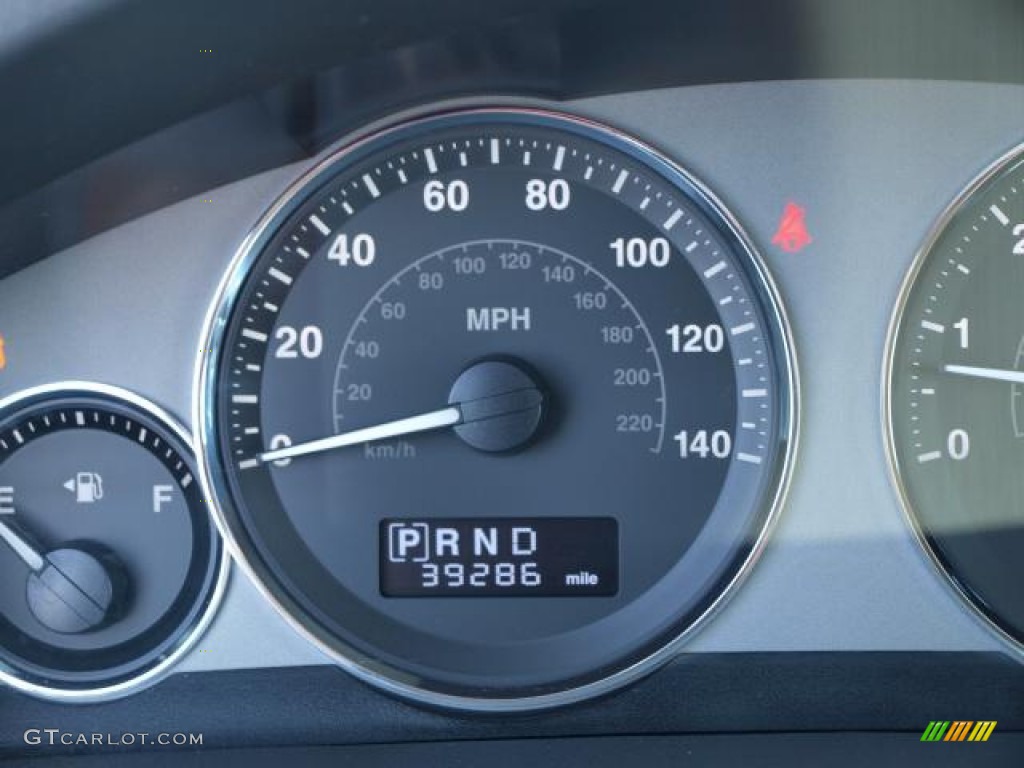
187 635
953 209
213 475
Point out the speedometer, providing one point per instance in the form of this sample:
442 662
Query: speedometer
499 404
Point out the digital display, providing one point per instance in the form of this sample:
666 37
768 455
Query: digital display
514 557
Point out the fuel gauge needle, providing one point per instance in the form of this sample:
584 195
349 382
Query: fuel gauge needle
993 374
68 590
22 547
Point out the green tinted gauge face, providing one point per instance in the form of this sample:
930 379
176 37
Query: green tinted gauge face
957 396
498 407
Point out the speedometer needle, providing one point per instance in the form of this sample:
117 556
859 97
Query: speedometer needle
495 406
424 422
995 374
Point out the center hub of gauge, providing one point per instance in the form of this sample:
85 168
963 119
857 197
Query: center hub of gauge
502 405
72 592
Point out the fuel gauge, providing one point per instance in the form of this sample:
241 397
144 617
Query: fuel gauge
110 567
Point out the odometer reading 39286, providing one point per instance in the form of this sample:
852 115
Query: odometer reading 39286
500 404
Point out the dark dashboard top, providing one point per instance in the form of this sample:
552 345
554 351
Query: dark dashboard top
296 76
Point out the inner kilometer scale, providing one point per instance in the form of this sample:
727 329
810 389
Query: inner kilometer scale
500 403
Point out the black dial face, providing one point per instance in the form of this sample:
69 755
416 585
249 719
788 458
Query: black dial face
108 558
499 405
957 395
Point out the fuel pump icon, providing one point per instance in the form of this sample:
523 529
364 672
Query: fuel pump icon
87 487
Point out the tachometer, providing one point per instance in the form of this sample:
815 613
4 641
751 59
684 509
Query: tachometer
499 404
955 404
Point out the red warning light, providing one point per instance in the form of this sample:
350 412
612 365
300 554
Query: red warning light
792 235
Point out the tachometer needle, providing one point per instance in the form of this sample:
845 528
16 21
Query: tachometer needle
424 422
22 547
995 374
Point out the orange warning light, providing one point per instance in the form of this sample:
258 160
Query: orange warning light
792 235
3 356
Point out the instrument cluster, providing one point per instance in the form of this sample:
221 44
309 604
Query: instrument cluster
497 403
